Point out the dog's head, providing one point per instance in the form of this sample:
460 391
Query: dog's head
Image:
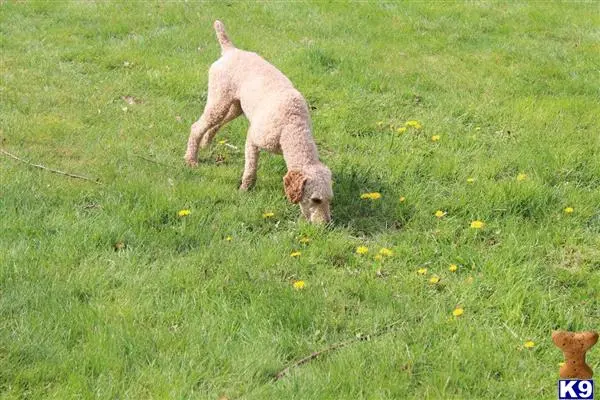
310 187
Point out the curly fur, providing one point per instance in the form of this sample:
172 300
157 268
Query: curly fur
241 82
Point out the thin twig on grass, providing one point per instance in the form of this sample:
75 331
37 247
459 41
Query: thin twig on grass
511 331
335 346
153 161
232 147
312 356
55 171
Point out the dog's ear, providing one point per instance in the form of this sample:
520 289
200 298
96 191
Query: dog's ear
293 183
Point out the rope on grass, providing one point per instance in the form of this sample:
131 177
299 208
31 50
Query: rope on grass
359 338
55 171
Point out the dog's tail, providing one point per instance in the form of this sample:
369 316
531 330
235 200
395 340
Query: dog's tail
224 40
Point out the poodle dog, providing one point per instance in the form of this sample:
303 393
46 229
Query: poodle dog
241 82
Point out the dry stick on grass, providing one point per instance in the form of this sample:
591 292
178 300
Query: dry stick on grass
50 169
153 161
232 147
335 346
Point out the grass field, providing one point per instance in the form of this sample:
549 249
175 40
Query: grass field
106 292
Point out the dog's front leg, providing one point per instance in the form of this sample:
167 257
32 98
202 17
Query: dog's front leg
250 165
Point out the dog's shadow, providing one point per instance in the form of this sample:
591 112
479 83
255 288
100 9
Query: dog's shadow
371 215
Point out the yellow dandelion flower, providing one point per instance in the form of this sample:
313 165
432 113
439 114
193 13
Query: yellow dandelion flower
402 199
184 213
477 224
402 129
422 271
371 196
470 180
229 238
440 213
304 240
458 311
568 210
386 252
522 176
529 344
299 285
268 215
378 257
452 267
222 141
295 254
362 250
434 279
435 138
561 364
414 124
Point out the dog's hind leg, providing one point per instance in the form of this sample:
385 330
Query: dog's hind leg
218 104
210 120
235 110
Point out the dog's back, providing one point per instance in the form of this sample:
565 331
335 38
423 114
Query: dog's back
256 82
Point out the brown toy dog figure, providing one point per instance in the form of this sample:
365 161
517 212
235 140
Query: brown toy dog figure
574 345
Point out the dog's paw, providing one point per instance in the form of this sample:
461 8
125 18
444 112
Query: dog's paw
245 186
191 162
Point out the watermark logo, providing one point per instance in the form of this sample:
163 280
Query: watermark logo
576 382
574 345
575 389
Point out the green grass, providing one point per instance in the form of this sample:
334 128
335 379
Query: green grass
180 312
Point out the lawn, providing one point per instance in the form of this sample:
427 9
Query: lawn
107 292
